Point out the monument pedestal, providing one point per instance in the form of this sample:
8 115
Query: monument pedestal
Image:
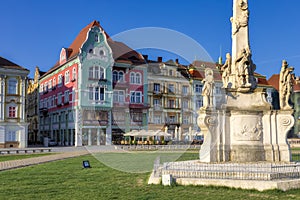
245 130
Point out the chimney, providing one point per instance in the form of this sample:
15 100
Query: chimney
176 61
159 59
145 57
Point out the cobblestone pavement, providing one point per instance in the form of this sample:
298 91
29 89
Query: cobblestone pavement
60 153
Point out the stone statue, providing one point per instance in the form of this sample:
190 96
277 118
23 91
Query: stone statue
207 91
226 70
242 20
285 85
245 69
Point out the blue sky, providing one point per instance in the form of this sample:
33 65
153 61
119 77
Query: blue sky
33 31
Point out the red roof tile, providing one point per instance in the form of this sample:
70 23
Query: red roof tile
274 81
120 50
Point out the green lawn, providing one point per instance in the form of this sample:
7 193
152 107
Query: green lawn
21 156
66 179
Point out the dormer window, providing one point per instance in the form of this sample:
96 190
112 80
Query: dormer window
96 38
63 56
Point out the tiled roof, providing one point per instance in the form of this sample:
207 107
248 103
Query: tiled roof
296 86
120 51
4 63
274 81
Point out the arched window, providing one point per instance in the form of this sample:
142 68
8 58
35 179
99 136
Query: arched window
102 73
12 86
138 78
121 76
96 74
115 76
91 72
132 77
74 74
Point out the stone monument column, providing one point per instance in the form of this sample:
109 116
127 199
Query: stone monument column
242 67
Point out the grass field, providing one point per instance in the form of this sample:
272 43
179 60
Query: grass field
66 179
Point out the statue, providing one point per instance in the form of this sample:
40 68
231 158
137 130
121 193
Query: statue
226 70
245 69
285 85
207 91
242 20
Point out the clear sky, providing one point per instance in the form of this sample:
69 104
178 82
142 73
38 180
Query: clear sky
34 31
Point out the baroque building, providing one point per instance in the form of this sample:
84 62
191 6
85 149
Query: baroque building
169 97
32 109
13 125
94 93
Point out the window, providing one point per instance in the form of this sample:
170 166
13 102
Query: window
91 72
11 136
157 119
41 87
59 81
96 93
136 116
185 119
156 104
50 84
96 72
119 96
132 77
135 97
53 99
198 88
74 74
138 78
185 90
59 98
46 87
67 76
172 119
171 88
91 93
156 88
96 38
121 76
199 103
12 112
67 96
170 72
54 82
118 76
12 86
171 103
115 76
185 104
218 90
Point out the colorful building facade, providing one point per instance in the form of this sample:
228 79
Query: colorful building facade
13 125
86 97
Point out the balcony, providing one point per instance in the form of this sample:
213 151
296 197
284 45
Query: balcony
44 111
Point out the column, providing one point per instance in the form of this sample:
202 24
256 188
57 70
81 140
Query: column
89 137
72 136
108 130
78 128
98 136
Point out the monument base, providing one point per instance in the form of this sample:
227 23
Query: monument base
260 175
